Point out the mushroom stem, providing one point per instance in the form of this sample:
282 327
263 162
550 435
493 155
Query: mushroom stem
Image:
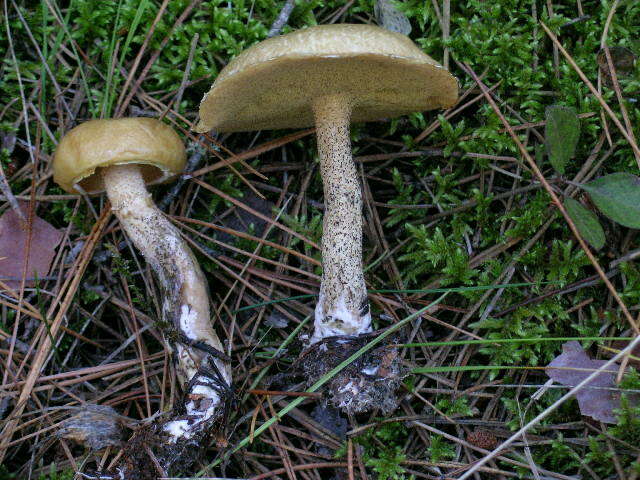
343 308
185 306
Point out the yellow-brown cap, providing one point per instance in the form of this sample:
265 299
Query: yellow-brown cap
273 83
100 143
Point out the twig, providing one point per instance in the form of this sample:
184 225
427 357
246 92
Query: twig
120 108
154 56
185 78
616 87
284 393
19 78
255 213
556 57
446 26
254 152
68 291
587 282
9 196
282 18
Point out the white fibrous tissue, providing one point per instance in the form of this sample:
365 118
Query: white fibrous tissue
201 407
178 429
188 317
349 387
351 324
370 370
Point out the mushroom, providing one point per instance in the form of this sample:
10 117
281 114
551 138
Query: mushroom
328 76
121 156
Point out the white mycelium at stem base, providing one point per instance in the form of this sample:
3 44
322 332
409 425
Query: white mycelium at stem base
343 308
186 301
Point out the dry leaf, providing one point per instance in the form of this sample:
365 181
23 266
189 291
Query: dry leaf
13 247
594 399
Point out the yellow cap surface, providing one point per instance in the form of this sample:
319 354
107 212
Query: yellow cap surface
100 143
273 83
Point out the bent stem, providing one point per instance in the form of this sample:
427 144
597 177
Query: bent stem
185 304
343 308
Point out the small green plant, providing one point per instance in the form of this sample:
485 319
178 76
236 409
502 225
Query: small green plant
54 474
560 456
599 457
311 227
388 465
383 450
406 196
628 426
458 407
431 251
5 475
439 449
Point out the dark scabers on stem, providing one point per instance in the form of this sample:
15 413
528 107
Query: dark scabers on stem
342 308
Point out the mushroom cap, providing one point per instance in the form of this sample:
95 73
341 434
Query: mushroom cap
101 143
274 83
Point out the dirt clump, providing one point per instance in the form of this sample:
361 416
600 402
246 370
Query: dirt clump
368 383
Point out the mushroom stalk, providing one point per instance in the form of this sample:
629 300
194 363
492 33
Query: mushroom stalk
343 308
185 307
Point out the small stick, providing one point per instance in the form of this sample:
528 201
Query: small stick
120 108
616 88
446 26
193 162
282 19
9 196
185 78
350 459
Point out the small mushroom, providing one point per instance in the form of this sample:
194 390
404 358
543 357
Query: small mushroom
329 76
121 156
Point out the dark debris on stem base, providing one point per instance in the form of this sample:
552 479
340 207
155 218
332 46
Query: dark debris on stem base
369 383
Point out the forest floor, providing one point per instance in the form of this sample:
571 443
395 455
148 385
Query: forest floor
452 204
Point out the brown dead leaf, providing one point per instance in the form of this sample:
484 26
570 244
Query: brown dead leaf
598 398
13 247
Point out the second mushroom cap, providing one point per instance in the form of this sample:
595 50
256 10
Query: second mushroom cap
98 144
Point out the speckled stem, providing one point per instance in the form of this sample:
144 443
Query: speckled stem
343 308
185 305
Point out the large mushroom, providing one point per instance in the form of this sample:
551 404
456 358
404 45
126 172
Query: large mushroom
328 76
121 156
